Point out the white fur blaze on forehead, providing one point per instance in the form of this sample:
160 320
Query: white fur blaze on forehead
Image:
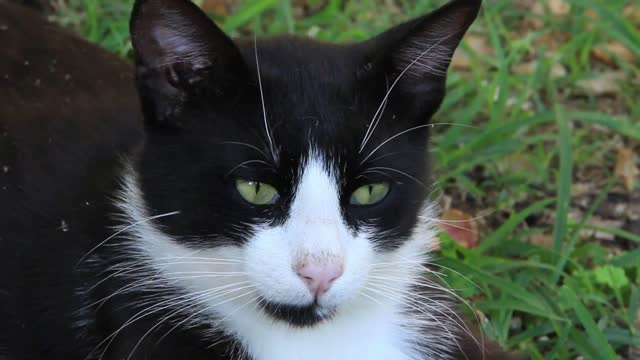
316 218
318 189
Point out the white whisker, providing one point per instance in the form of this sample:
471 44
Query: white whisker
207 294
399 172
126 228
247 145
391 138
245 163
412 304
374 123
264 109
186 319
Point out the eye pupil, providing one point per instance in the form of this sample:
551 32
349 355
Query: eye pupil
256 193
369 194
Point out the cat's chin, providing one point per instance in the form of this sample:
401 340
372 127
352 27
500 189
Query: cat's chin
298 315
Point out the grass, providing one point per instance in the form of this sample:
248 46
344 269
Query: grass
533 138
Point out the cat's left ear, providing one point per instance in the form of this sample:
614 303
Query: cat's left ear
420 50
180 54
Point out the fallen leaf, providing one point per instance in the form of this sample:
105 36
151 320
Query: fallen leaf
525 4
559 8
599 222
605 53
583 188
632 12
515 163
527 68
218 7
558 70
552 40
535 21
462 228
626 167
600 55
606 83
461 60
593 17
478 43
542 240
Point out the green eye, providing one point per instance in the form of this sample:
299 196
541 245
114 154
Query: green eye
257 193
369 194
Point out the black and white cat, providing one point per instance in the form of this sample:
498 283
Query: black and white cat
276 208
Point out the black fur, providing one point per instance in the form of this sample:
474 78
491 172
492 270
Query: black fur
67 109
71 113
317 95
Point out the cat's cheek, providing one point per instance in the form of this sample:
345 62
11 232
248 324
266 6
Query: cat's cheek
269 268
359 257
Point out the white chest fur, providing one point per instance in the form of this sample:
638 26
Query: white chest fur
367 332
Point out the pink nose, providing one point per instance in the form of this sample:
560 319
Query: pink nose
319 276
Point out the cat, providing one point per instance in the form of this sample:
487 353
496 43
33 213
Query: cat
274 208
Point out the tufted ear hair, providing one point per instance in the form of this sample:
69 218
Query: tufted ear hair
420 50
179 54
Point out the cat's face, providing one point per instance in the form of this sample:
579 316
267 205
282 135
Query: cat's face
296 168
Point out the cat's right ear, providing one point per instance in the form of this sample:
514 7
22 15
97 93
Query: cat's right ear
180 54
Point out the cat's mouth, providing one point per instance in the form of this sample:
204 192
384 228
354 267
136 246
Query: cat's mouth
298 315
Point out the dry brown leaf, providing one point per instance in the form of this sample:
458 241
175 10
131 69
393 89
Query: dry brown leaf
219 7
583 188
529 67
525 4
620 50
632 12
461 227
558 70
552 40
461 60
593 17
600 55
607 83
536 22
515 163
592 14
525 68
480 45
626 167
559 8
603 53
542 240
598 222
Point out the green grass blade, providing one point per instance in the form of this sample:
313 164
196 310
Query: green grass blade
516 219
620 124
564 178
628 259
245 14
584 316
570 245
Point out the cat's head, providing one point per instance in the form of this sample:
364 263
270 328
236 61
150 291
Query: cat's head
292 172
